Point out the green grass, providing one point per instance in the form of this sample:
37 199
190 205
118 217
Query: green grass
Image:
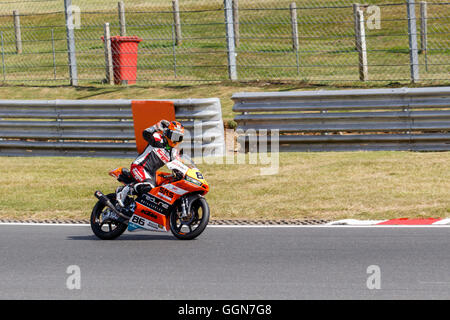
361 185
326 40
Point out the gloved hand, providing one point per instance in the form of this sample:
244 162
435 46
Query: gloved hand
177 174
163 124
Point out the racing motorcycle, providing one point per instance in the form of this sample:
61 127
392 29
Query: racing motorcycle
176 204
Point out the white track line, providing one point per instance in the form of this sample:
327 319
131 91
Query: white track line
443 222
354 222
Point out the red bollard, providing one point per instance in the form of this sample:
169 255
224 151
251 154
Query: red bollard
124 56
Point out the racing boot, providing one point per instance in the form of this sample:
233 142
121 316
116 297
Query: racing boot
123 203
122 193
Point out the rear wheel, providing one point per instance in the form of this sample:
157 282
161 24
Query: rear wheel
104 227
194 224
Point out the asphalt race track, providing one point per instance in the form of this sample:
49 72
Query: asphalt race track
227 263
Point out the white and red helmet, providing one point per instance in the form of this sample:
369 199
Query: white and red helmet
174 133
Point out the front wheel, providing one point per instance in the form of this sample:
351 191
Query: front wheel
194 224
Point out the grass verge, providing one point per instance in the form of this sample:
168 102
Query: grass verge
360 185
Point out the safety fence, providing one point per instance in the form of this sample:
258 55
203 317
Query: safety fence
60 41
415 119
99 128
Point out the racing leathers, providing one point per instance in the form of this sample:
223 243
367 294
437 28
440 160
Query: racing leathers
156 155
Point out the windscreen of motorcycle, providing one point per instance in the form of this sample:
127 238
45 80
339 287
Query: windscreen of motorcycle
187 161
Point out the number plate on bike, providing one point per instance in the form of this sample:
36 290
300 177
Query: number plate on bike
137 222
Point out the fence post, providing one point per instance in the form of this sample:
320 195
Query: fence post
73 72
355 21
108 55
361 46
424 31
412 32
54 55
3 56
18 34
293 9
236 22
231 49
174 51
177 22
122 21
294 24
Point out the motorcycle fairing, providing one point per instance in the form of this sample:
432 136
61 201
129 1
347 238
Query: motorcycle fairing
166 194
154 203
151 213
138 222
149 219
196 174
116 172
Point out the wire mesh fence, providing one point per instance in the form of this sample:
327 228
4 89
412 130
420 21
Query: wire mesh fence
60 41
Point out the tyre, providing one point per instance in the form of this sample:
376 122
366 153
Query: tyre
106 229
194 224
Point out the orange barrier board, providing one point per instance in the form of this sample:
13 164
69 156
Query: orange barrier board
146 114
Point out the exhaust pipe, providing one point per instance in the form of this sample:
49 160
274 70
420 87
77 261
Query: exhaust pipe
104 200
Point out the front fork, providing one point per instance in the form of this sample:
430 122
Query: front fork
184 205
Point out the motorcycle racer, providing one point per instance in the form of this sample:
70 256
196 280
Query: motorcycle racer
162 138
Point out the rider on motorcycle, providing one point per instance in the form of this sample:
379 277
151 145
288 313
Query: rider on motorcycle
162 139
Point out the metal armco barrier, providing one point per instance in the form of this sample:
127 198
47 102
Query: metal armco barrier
343 120
98 128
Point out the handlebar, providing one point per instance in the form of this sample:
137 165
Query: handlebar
176 174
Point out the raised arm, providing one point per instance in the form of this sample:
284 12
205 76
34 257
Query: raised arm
154 135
